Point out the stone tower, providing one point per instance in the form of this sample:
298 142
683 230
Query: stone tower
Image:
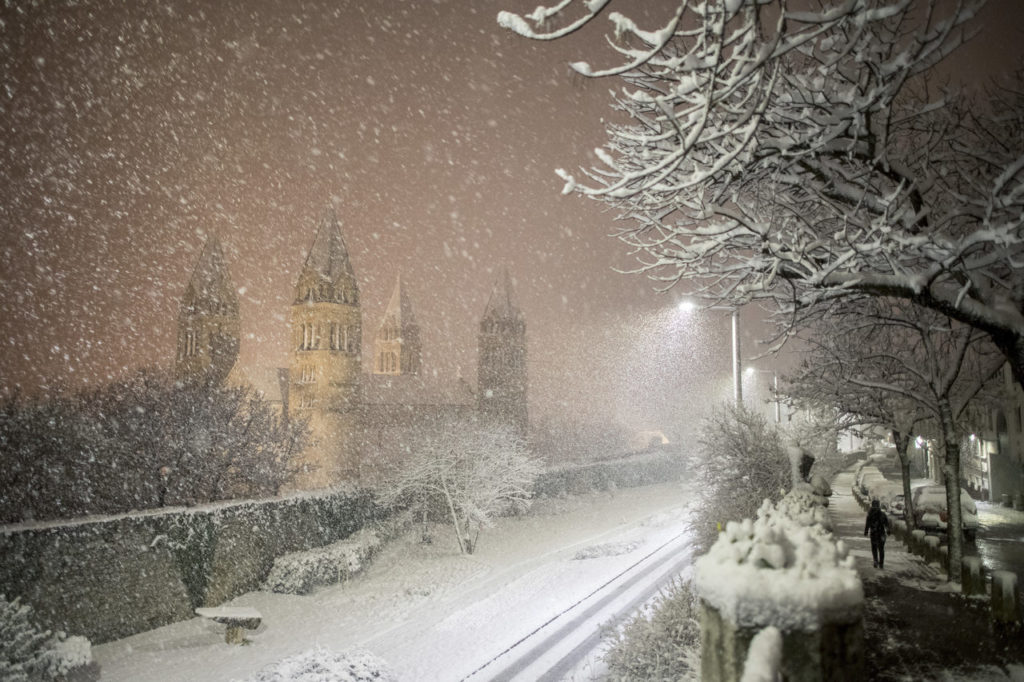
501 368
208 320
397 347
325 370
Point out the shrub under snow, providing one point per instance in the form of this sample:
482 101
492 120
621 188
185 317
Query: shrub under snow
320 665
301 572
784 569
29 653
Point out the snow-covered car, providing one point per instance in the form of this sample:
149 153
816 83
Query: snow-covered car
871 480
898 506
861 473
930 512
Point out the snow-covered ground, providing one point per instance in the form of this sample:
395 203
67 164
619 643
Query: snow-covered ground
432 614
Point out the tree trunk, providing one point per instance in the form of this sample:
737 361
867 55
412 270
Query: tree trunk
902 442
951 470
455 517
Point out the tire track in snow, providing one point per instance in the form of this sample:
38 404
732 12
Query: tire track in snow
592 638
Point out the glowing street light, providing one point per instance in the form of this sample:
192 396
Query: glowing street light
737 381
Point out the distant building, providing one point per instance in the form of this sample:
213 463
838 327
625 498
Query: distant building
361 421
992 456
208 319
501 363
992 464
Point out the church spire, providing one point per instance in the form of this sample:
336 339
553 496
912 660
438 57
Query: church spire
328 254
399 309
501 304
501 365
210 289
397 349
208 320
327 274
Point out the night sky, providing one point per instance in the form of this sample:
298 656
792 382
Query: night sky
132 130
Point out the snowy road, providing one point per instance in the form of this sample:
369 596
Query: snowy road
570 641
530 604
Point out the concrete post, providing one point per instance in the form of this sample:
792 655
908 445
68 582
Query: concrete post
972 577
832 652
931 549
783 571
1006 611
915 543
899 529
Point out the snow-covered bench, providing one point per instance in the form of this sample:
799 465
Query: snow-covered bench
236 618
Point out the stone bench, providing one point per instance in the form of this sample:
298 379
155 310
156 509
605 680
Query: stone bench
236 618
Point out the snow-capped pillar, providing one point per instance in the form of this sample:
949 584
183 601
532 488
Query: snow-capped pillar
971 576
1006 611
916 542
784 570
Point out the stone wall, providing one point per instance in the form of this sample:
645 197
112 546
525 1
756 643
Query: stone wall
110 577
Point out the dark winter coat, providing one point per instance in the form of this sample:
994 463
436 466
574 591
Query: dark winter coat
877 524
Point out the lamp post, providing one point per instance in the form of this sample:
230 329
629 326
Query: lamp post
737 379
737 383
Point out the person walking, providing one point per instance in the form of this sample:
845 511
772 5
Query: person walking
877 524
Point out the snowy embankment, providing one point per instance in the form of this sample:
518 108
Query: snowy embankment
428 612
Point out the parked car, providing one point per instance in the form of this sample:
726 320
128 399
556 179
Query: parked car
930 511
870 480
898 506
890 495
863 471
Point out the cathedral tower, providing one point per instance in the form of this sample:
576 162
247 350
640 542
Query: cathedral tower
501 368
208 320
397 347
324 376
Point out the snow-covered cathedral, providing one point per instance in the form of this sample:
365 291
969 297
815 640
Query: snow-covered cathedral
359 420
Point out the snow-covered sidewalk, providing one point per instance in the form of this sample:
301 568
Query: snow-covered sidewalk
917 625
427 611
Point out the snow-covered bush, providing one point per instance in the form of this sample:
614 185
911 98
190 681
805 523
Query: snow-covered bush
301 572
30 653
741 463
321 665
660 644
784 569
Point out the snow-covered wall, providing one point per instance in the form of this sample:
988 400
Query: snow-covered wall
110 577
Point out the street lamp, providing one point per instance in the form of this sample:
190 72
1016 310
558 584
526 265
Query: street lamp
737 381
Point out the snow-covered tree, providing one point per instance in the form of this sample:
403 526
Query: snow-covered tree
29 653
778 151
144 442
470 474
899 365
